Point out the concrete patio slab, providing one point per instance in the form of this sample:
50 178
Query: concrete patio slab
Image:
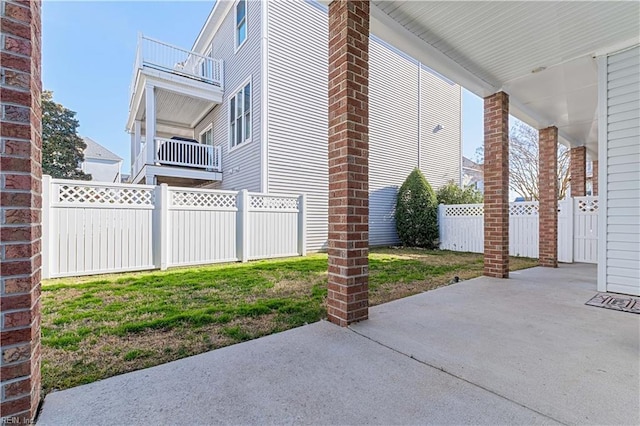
530 339
519 351
317 374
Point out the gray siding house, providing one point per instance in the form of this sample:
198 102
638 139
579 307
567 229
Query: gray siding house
258 74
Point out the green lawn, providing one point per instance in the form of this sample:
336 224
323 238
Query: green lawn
97 327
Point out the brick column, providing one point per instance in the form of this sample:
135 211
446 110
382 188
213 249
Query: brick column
20 202
594 178
578 164
348 296
548 197
496 185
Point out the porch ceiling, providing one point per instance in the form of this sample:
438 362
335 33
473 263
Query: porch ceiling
174 108
541 53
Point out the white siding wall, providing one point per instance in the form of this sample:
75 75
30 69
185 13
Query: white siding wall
297 99
102 170
440 150
241 167
393 136
622 164
297 130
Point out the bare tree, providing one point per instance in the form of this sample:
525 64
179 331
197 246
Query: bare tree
523 162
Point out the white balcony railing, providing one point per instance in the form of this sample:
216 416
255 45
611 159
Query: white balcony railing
165 57
187 154
172 152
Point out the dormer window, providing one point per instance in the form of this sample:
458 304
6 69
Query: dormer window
241 23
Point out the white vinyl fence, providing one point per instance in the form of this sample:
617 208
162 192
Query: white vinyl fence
462 229
95 228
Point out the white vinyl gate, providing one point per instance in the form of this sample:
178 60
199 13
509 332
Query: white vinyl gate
462 229
585 229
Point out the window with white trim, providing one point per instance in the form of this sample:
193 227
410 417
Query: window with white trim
206 137
241 22
240 116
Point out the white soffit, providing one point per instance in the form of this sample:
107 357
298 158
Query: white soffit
500 41
488 46
564 95
173 107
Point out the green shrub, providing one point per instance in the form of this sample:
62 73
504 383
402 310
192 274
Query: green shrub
417 212
451 193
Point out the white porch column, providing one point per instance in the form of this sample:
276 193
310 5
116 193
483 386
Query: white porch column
133 153
136 140
137 134
150 131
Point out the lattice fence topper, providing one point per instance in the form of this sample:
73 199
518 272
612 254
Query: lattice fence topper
203 199
464 210
273 202
588 205
95 194
523 209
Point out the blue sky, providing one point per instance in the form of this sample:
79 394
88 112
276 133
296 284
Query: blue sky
88 54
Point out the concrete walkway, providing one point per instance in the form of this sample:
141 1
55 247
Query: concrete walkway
519 351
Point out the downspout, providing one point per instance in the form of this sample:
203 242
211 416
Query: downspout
264 98
419 115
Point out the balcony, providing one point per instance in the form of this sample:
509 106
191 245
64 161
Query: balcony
184 85
172 159
157 55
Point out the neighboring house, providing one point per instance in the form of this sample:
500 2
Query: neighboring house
102 164
246 108
472 174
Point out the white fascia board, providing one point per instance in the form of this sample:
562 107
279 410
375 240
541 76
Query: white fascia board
136 102
183 172
618 47
183 86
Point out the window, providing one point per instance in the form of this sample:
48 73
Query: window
240 116
206 137
241 22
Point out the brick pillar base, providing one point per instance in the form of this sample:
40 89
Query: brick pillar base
20 202
496 185
594 178
578 164
548 197
348 295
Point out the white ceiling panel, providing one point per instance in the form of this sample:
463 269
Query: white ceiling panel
540 52
500 41
172 107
